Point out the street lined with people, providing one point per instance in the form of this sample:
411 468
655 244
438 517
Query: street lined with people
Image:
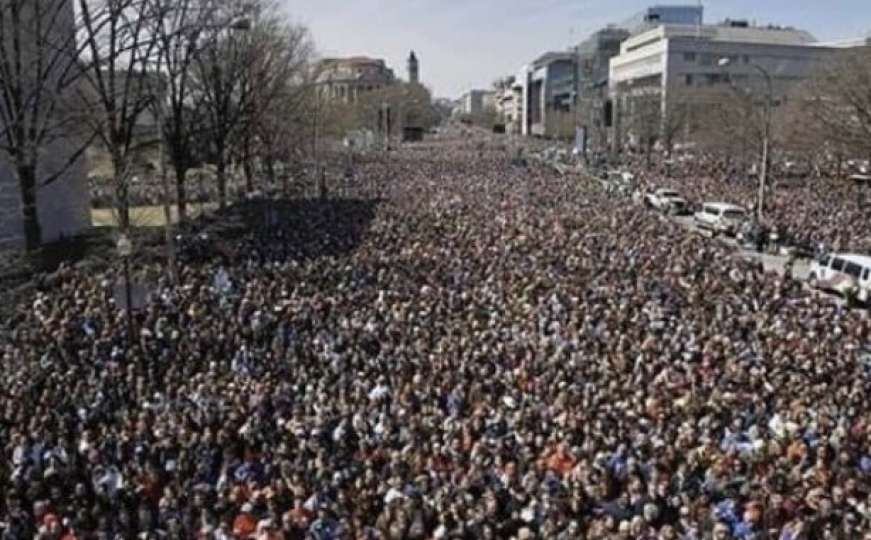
465 349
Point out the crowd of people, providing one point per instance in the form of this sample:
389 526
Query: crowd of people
812 207
473 350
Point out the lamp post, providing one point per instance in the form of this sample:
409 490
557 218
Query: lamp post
125 250
320 175
766 132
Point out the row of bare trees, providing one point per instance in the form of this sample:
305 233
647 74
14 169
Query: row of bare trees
824 118
831 112
205 80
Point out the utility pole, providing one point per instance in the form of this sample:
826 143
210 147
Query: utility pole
316 141
766 137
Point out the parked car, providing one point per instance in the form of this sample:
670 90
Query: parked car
720 218
843 273
666 200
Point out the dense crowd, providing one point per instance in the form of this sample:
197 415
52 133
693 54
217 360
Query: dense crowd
801 205
482 351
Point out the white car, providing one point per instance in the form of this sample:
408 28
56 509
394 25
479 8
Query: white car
843 273
666 200
720 218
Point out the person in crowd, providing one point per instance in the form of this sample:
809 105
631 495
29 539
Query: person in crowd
474 351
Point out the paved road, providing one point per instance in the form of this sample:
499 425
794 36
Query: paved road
770 262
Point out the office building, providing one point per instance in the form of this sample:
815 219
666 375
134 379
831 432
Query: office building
658 15
594 56
675 59
509 104
549 95
476 103
562 91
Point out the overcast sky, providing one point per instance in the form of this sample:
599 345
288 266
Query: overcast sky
466 44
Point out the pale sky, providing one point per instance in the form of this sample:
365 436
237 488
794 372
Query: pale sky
463 44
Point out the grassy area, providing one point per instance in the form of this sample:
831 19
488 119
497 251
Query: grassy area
147 216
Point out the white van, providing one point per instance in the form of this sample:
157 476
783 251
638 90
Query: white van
717 218
840 272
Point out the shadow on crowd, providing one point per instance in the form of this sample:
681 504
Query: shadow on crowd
279 229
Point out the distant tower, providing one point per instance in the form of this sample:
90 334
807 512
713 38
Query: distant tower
413 69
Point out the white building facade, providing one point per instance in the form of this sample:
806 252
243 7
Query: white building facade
63 206
673 58
476 102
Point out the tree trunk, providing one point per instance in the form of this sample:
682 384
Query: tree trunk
222 183
270 172
248 169
122 204
122 190
181 193
124 210
29 211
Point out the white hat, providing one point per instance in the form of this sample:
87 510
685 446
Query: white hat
392 495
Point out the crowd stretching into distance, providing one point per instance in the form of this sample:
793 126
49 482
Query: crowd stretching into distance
472 350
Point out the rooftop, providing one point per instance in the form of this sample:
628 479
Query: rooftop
553 56
353 60
772 35
724 32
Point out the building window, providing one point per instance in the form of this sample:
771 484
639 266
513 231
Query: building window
689 79
608 113
689 57
746 59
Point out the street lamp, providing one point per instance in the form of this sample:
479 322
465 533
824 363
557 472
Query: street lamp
125 250
766 133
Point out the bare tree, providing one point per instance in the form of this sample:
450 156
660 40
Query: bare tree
275 79
677 117
729 122
37 71
177 26
802 137
643 120
839 101
221 79
119 49
283 128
